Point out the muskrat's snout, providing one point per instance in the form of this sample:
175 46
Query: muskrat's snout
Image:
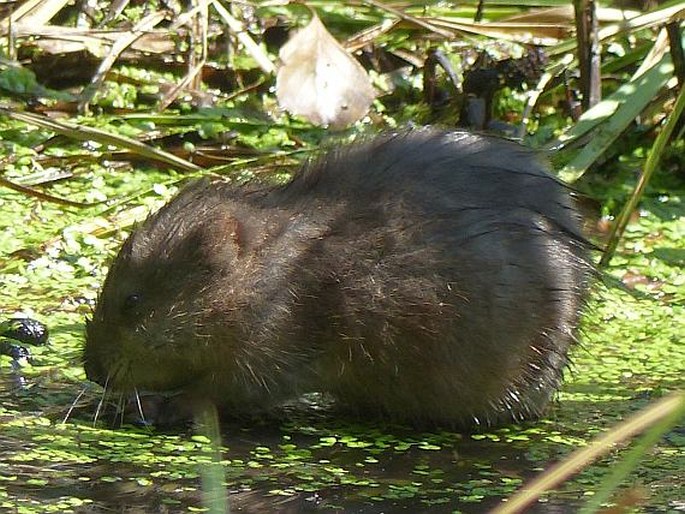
95 372
95 369
122 360
102 353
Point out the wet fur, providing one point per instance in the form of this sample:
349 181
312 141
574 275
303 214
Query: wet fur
419 276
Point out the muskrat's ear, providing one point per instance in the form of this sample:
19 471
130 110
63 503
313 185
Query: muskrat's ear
244 228
220 238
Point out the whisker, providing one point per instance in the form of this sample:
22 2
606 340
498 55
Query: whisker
139 406
73 404
121 409
98 410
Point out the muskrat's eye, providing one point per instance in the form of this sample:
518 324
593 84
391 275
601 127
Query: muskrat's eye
131 301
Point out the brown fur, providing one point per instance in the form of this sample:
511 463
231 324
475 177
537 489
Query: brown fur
420 276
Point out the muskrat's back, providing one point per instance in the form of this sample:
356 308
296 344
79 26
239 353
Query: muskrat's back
422 276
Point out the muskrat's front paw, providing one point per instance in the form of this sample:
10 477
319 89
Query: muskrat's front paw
165 410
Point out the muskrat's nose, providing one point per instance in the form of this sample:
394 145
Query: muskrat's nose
92 362
95 372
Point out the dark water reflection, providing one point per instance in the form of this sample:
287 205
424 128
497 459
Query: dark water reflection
311 462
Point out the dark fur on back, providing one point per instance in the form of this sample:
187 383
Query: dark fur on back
421 275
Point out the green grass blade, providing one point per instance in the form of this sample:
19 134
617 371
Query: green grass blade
632 459
83 133
665 408
608 119
650 165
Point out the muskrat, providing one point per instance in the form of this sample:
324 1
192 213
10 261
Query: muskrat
420 276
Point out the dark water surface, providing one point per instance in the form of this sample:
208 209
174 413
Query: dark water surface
303 462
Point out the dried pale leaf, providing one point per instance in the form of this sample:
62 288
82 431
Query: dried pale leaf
566 14
56 40
63 46
320 81
34 12
514 31
650 19
243 36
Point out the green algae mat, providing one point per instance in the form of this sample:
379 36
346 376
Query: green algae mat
55 458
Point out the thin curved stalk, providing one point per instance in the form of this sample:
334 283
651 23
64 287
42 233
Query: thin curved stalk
647 172
666 408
